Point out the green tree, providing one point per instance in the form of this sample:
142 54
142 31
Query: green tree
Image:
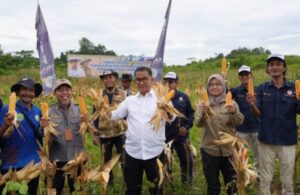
1 51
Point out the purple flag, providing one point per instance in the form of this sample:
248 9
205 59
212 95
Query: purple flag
47 69
157 63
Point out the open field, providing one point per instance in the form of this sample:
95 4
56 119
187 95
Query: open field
190 80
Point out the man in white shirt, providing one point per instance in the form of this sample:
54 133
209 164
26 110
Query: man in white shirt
144 144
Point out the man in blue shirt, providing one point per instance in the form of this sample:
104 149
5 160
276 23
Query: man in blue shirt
249 129
19 147
178 130
277 106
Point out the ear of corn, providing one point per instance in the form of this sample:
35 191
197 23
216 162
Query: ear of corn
169 95
297 87
205 97
228 101
250 87
224 65
82 105
45 110
12 103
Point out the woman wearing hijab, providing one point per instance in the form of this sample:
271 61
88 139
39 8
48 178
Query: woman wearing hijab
216 159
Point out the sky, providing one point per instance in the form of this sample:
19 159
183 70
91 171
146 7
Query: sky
197 29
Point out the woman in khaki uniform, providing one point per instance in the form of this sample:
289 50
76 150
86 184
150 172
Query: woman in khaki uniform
216 159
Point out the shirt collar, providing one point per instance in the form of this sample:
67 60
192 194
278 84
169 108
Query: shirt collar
150 93
285 83
21 105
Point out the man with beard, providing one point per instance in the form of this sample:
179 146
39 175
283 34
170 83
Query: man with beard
68 143
19 146
111 133
277 105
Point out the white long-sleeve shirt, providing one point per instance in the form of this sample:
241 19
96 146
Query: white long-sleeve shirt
142 140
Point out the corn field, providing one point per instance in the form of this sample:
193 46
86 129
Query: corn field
190 82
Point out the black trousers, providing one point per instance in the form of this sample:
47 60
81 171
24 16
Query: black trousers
133 174
32 185
212 166
186 160
59 179
107 144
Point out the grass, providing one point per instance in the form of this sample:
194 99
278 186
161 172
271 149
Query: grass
190 80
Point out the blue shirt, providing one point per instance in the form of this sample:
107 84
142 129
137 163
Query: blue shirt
251 122
278 113
183 104
17 151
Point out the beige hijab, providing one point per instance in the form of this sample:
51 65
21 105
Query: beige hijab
215 100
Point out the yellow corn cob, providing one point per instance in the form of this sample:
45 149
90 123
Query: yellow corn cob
297 87
224 65
228 101
45 110
250 87
169 95
205 97
82 105
12 102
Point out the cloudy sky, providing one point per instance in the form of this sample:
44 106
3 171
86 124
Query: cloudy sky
197 28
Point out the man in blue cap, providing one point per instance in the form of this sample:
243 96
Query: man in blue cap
178 130
249 129
19 146
277 105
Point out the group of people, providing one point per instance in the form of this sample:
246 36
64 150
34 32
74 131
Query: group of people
267 120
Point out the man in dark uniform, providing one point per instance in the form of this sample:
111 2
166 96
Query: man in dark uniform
178 130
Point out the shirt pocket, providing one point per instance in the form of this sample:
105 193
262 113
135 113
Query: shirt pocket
288 106
268 105
75 124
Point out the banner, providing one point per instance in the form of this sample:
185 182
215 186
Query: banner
94 65
47 69
157 64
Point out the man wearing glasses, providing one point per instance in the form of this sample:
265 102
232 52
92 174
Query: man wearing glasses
144 144
178 130
249 129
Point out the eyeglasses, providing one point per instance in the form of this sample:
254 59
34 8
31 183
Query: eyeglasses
139 80
214 84
244 74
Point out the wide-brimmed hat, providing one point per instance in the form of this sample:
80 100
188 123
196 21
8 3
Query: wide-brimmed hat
60 82
109 72
126 77
29 83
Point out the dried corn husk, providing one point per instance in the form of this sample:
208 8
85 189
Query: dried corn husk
245 173
85 126
49 131
164 106
29 172
71 167
100 173
168 153
193 151
230 140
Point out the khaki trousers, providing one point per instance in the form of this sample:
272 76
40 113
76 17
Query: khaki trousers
286 156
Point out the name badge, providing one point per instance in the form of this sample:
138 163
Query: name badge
68 134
